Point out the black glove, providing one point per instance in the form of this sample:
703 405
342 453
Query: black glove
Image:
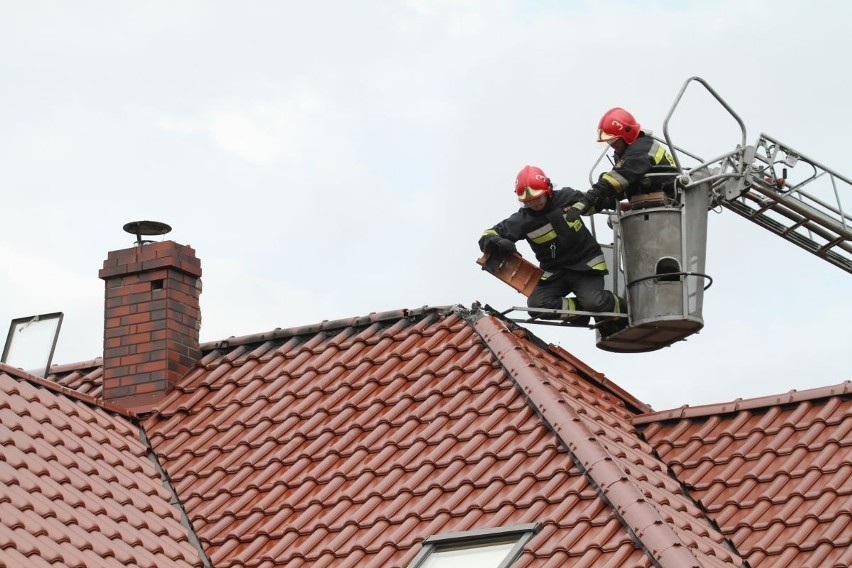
598 200
573 213
505 247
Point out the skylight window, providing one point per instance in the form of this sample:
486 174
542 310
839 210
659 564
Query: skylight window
486 548
31 341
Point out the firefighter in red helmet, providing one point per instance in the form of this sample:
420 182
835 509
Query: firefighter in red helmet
567 252
641 164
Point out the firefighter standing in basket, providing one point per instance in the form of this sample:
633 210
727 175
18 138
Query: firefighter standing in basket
566 251
643 172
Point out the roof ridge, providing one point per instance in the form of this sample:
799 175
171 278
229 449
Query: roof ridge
616 487
791 397
325 325
63 390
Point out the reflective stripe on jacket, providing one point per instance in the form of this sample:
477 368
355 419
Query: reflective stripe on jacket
643 167
557 244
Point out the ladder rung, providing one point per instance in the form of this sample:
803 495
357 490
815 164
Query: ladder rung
832 243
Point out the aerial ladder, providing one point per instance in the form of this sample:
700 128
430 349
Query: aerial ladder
657 252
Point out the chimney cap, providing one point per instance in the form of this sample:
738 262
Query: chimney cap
147 228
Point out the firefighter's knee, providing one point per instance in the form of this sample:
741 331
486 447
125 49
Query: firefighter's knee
596 301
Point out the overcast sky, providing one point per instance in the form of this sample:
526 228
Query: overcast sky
329 159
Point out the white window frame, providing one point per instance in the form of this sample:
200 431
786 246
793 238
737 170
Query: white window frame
521 534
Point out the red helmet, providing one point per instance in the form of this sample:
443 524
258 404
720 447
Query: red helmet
531 183
618 123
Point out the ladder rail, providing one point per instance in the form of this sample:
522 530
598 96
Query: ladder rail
740 205
809 212
808 244
773 147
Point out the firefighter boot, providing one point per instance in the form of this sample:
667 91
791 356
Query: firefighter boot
571 319
610 326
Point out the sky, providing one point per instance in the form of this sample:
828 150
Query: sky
331 159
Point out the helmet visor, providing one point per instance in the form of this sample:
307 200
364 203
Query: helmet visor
528 194
604 136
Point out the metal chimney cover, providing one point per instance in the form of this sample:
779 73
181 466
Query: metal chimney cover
147 228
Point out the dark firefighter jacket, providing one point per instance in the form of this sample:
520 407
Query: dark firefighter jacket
557 244
644 166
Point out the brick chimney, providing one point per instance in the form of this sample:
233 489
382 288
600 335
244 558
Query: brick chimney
152 319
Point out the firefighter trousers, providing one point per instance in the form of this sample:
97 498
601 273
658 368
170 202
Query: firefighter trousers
587 287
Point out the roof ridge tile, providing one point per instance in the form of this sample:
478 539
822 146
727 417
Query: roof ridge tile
625 496
737 405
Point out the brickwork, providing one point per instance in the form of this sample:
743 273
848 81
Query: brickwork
151 320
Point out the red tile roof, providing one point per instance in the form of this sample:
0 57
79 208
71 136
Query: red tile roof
596 428
348 442
85 377
774 473
76 485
